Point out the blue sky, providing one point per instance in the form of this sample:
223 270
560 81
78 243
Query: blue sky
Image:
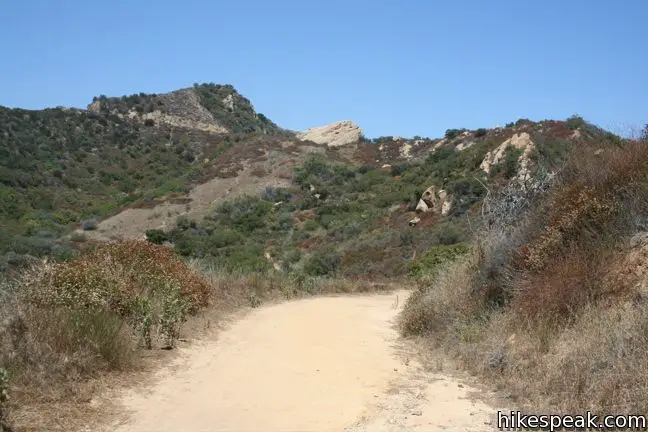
395 67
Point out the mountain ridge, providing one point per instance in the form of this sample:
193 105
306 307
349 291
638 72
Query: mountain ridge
65 168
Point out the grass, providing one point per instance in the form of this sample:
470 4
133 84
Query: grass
95 312
552 308
67 326
69 322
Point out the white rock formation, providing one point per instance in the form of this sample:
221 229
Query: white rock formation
229 102
422 207
446 207
519 141
465 145
430 202
171 120
333 135
405 151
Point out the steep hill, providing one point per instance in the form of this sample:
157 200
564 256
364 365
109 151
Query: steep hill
208 107
60 167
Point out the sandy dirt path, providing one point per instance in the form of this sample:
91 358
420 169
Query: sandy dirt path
316 365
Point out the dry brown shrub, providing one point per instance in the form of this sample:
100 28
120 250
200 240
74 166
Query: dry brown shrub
573 331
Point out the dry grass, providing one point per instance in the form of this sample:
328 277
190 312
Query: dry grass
71 330
569 329
66 325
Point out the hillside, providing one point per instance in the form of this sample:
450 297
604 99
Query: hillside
136 163
550 300
156 208
207 107
61 168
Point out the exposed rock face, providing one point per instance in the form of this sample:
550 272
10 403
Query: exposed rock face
95 106
414 221
182 108
519 141
405 151
177 121
465 145
333 135
524 166
229 102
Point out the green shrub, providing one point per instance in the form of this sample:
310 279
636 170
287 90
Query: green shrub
575 121
156 236
89 225
399 169
509 163
428 265
449 235
453 133
480 132
4 400
310 225
284 222
223 238
551 153
245 258
245 214
145 284
276 194
322 263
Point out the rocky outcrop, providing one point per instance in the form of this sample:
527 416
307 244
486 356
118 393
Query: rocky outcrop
95 106
422 207
228 102
518 141
446 207
465 145
431 201
445 201
333 135
405 151
159 117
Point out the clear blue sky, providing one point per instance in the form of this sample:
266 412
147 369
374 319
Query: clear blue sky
395 67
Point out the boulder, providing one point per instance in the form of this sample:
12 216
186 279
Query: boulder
437 202
446 207
429 196
414 221
422 207
333 135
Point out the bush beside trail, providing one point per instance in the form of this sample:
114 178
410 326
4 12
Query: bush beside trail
67 326
549 304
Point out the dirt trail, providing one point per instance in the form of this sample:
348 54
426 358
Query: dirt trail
322 364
